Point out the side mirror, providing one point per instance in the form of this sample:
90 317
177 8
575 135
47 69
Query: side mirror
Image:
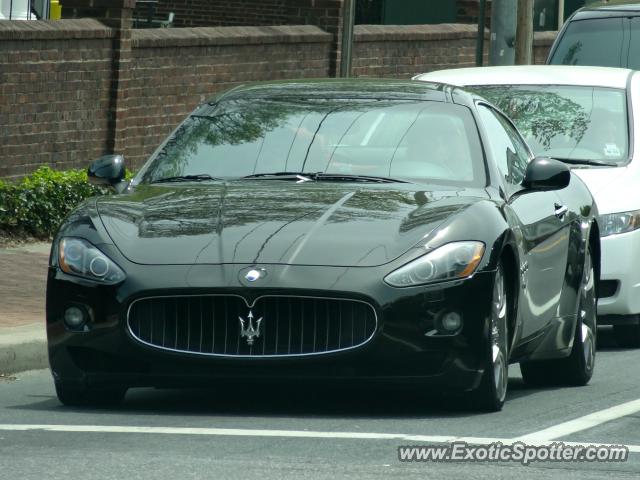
546 174
107 170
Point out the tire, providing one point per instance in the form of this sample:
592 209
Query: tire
492 391
577 368
74 396
627 336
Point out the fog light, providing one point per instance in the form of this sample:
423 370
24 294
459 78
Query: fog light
74 317
451 322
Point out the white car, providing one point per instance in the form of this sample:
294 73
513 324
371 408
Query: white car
588 117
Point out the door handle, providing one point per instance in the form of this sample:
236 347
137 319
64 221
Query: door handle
560 210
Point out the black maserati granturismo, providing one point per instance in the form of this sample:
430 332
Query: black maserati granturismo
374 230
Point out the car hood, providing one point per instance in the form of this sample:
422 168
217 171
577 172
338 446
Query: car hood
597 178
275 221
614 189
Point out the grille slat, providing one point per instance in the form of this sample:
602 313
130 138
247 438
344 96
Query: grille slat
150 321
264 337
189 319
353 324
315 323
213 329
201 332
301 327
226 331
277 308
328 329
175 319
289 325
164 327
289 343
339 327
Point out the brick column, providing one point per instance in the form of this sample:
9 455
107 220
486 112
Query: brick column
116 14
326 14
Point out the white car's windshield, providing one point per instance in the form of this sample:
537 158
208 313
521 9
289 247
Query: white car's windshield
567 122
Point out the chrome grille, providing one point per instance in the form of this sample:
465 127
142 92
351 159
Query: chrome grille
289 325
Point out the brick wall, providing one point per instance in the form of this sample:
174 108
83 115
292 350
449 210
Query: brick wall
58 107
403 51
54 93
175 69
68 96
327 14
207 13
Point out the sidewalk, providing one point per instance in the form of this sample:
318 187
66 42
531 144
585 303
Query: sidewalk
23 276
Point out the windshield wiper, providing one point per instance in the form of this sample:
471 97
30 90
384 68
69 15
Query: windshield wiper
298 177
347 177
320 176
281 175
584 161
201 177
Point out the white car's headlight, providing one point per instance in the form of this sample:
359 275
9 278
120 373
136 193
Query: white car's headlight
448 262
615 223
78 257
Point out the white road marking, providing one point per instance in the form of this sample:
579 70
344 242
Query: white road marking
239 432
583 423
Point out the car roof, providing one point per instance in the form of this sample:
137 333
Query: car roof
533 75
607 11
359 88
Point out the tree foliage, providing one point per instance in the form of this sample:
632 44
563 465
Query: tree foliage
539 114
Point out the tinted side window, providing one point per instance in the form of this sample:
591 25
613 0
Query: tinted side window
519 159
511 154
634 47
597 42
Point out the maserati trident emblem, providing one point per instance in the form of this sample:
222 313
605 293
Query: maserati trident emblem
253 275
251 332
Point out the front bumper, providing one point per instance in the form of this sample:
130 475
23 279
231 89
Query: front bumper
399 350
620 255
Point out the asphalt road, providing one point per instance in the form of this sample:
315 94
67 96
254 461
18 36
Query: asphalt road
320 433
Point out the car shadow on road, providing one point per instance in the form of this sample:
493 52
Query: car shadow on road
607 341
319 400
293 401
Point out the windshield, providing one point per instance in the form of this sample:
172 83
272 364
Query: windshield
387 138
567 122
598 41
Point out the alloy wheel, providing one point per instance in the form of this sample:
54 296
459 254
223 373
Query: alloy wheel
587 311
499 336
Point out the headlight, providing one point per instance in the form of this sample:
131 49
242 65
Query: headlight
449 262
79 257
615 223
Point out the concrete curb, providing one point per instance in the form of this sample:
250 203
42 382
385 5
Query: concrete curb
23 348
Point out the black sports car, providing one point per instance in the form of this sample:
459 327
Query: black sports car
316 230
